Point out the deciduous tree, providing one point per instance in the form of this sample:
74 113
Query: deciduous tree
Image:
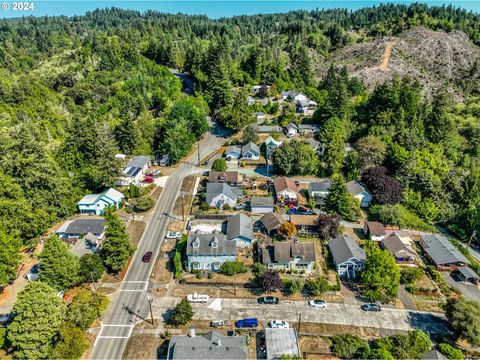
86 307
182 313
464 316
287 230
270 281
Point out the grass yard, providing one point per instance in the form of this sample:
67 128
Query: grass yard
135 231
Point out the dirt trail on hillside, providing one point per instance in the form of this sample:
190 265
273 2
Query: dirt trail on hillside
385 58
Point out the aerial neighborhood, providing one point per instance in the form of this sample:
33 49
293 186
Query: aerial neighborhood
277 186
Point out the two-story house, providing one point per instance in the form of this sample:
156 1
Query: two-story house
286 191
348 256
95 204
289 256
209 251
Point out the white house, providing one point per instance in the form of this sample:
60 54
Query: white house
374 230
285 190
250 151
95 204
134 171
259 116
306 107
233 152
292 130
319 190
272 144
293 95
360 192
221 194
348 256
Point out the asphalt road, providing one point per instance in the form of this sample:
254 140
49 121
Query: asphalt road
233 309
118 322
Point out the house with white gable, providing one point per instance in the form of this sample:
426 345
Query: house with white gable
95 204
209 251
221 194
293 95
348 256
134 171
250 151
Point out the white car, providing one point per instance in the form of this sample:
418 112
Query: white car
198 298
318 303
278 324
173 235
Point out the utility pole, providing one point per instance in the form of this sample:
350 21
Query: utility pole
93 282
183 210
198 148
472 237
150 300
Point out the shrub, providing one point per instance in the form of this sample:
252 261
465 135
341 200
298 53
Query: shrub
348 346
177 259
219 164
3 337
450 352
210 275
227 207
233 267
316 286
410 275
144 203
182 313
291 287
258 268
204 206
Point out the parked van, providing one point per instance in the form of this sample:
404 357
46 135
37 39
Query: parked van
247 323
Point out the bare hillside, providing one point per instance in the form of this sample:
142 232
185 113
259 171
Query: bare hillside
435 58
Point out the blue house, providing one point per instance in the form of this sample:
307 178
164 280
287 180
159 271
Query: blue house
233 152
95 204
240 230
209 251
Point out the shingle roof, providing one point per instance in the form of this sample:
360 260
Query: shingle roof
441 250
215 244
138 162
215 189
261 201
395 246
272 221
239 225
376 228
285 252
344 248
323 185
282 183
219 176
467 272
355 187
83 226
233 148
267 128
250 147
211 345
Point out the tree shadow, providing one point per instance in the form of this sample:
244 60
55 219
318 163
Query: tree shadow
432 324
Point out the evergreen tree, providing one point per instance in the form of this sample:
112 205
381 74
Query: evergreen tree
339 201
333 137
182 313
116 249
71 342
9 257
38 314
59 268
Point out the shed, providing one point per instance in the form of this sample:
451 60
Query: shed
466 274
261 204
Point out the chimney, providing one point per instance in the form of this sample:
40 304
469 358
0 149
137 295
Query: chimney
192 331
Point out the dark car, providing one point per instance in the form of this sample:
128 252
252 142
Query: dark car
371 307
147 257
291 211
268 300
247 323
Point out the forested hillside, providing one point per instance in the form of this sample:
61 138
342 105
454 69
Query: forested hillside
75 91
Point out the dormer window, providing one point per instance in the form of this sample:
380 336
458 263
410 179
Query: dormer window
196 243
214 243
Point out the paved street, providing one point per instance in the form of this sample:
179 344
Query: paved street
117 323
470 290
341 314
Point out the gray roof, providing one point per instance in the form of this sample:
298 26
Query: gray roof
323 185
215 244
467 272
284 252
395 246
239 225
281 342
313 127
261 201
138 161
355 187
434 355
250 146
344 248
441 250
211 345
83 226
291 125
290 93
272 221
267 128
215 189
234 148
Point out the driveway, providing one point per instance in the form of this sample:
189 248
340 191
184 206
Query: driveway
341 314
470 290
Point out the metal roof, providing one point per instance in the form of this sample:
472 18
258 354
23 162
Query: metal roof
343 248
211 345
239 225
467 272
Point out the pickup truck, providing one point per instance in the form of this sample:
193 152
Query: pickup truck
198 298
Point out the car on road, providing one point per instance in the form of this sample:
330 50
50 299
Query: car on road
371 307
147 257
278 324
318 303
173 235
198 298
246 323
268 300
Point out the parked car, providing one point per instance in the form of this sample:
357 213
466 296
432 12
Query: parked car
371 307
173 235
297 184
278 324
218 323
147 257
268 300
318 303
198 298
291 211
148 180
240 206
247 323
34 273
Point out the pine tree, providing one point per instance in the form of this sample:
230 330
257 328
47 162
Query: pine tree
339 201
116 249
